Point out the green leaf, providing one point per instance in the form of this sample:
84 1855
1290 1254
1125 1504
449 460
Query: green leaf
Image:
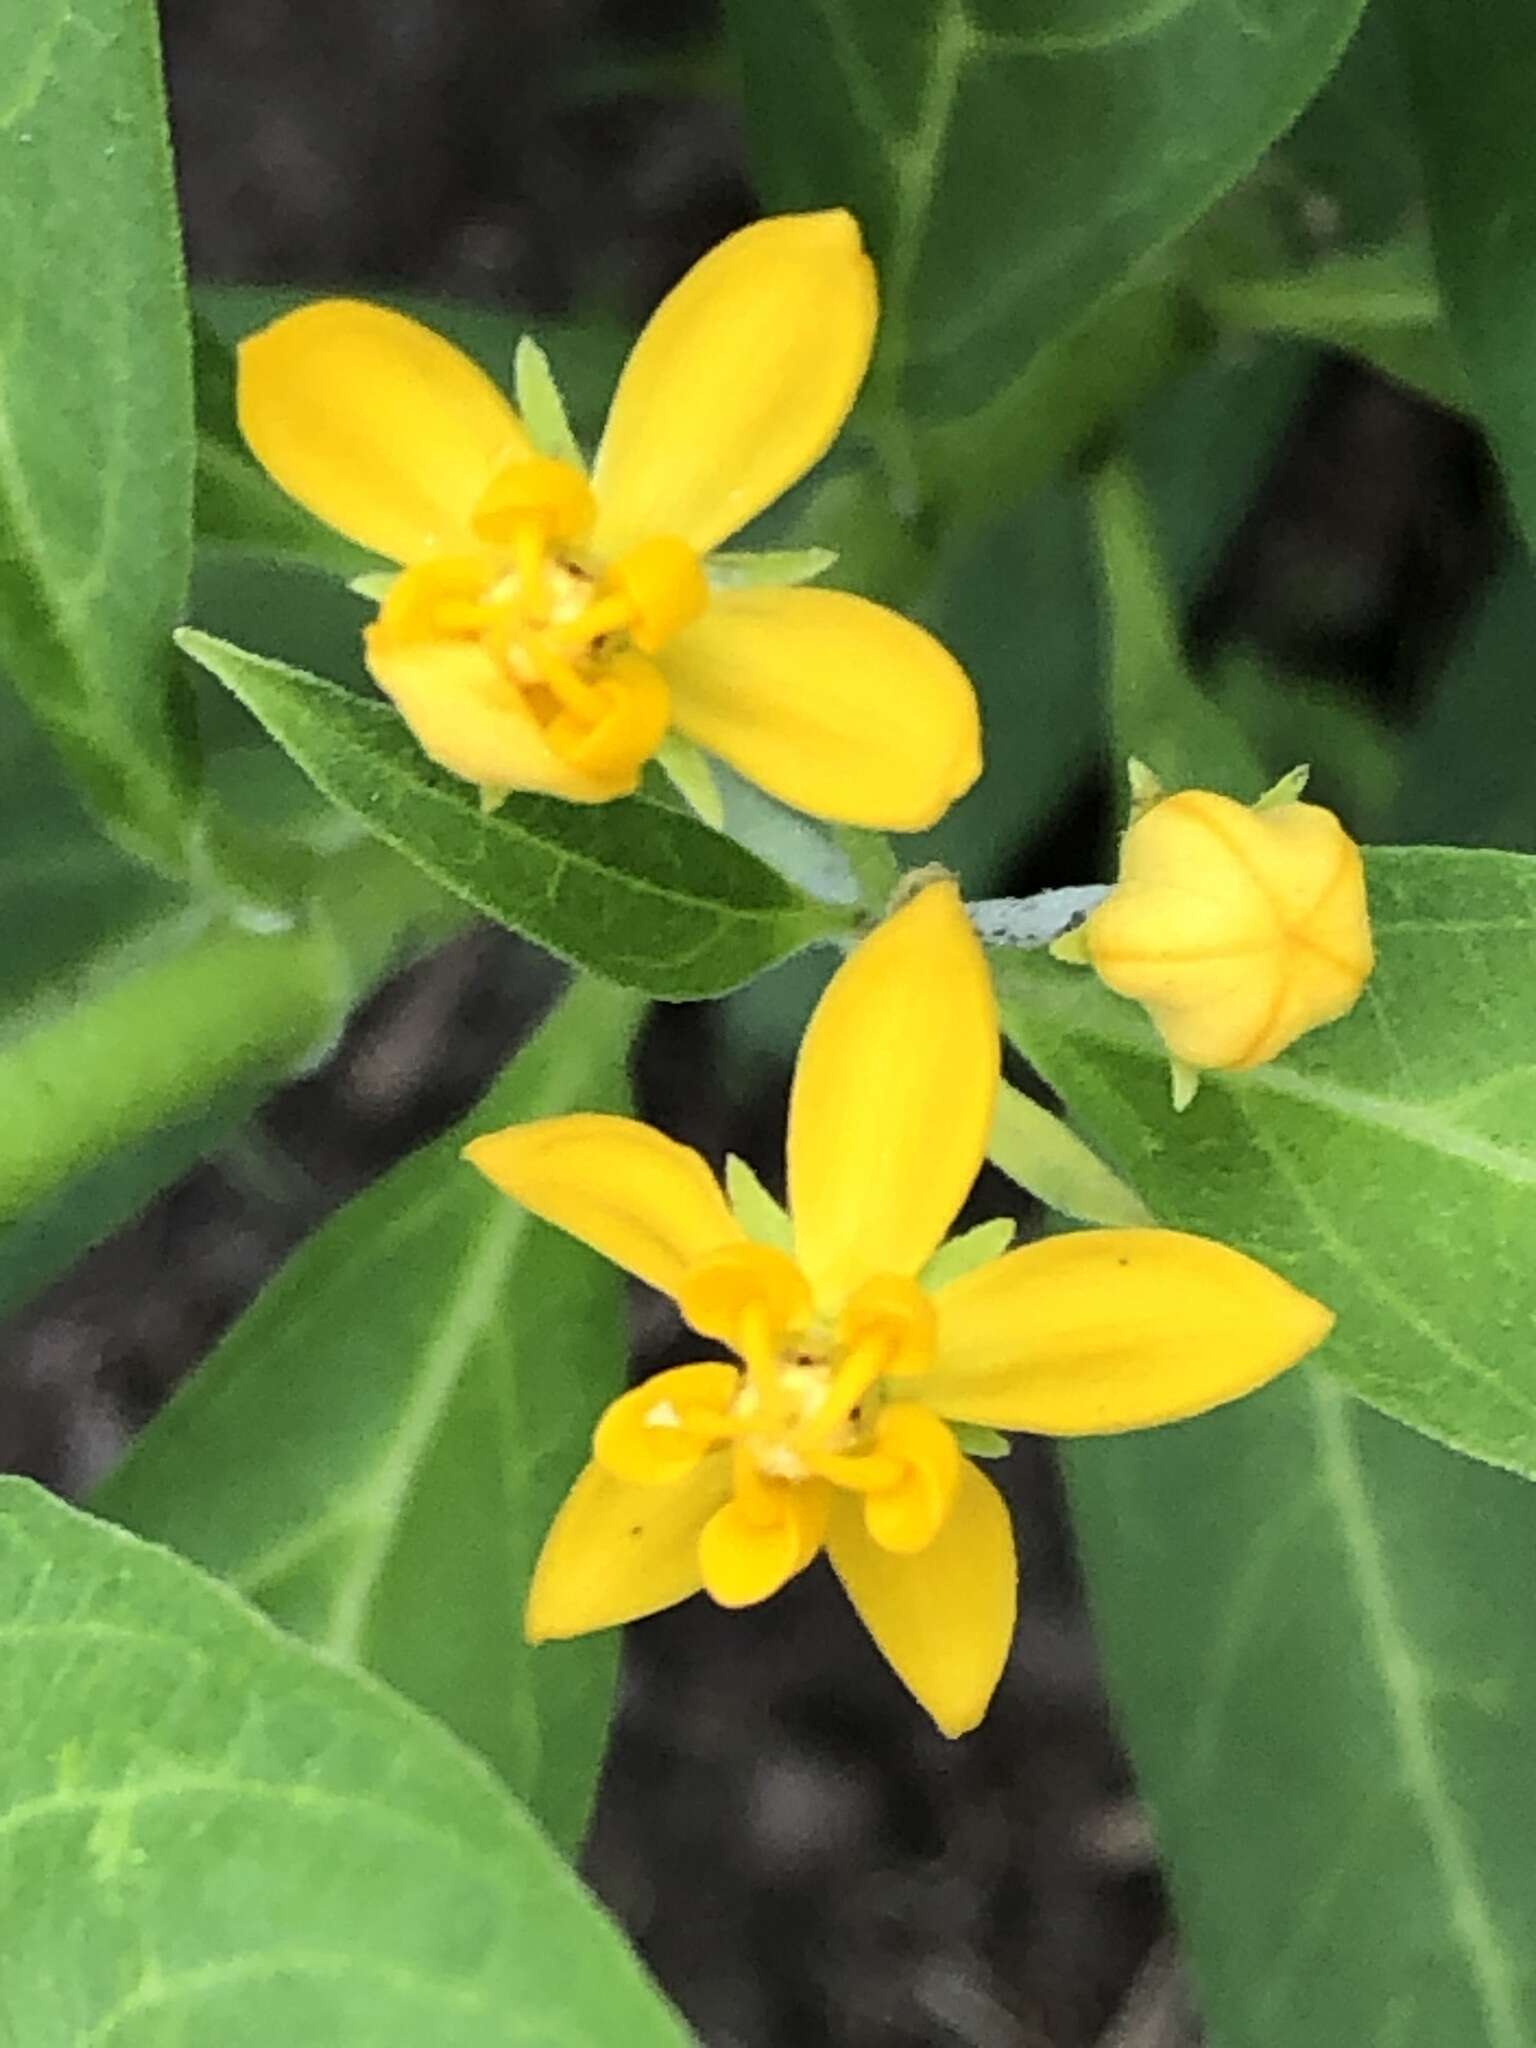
375 1451
212 1009
633 890
213 1834
1470 100
1317 1633
1012 172
1469 772
1380 304
1386 1164
1158 713
543 409
95 409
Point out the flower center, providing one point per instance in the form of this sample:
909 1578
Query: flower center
571 642
806 1417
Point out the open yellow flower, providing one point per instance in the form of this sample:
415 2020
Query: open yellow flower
547 629
836 1431
1237 928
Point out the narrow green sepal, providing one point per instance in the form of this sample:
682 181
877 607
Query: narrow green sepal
542 408
748 569
492 797
1288 790
374 584
1047 1157
1071 948
963 1254
1146 788
1184 1084
763 1219
979 1442
687 768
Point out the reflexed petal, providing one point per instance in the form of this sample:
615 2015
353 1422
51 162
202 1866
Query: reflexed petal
1107 1330
740 381
892 1097
471 720
638 1197
615 1551
746 1557
943 1618
833 704
377 425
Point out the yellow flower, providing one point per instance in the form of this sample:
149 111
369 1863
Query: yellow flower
835 1431
547 630
1237 928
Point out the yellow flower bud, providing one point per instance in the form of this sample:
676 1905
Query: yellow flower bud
1237 929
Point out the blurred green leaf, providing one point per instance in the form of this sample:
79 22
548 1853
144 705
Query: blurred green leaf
1158 712
211 1008
213 1834
1470 95
1011 177
1355 757
377 1448
632 890
1380 304
1471 765
95 410
1386 1164
68 895
1318 1639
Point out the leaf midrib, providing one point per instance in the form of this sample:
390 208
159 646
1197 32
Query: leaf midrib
1471 1918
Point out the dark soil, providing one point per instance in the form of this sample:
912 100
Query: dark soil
801 1858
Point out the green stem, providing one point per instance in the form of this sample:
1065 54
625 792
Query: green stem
231 1007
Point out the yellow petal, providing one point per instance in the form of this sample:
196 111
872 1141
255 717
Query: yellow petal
1107 1330
616 1551
745 1555
740 381
892 1097
835 705
641 1199
659 1431
377 425
471 719
943 1619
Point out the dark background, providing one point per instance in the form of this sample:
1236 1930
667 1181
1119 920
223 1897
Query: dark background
801 1858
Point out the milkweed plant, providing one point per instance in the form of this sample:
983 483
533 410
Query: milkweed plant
784 628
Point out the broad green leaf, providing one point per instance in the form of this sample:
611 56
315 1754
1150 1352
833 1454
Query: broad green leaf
1470 97
1013 170
632 890
1471 760
1387 1164
1318 1638
375 1451
209 1833
95 409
